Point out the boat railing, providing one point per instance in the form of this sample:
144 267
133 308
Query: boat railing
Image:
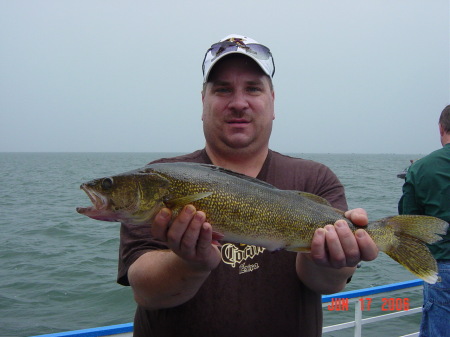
119 330
344 299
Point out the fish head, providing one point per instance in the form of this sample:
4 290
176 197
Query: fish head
132 198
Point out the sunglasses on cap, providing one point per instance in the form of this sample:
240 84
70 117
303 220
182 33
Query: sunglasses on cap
254 50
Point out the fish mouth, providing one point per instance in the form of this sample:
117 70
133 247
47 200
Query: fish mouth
99 201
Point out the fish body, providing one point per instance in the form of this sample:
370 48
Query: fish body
247 210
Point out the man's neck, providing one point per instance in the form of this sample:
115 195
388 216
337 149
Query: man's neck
245 163
445 139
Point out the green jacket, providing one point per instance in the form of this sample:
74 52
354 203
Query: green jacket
426 191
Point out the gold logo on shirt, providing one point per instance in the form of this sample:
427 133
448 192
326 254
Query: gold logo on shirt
232 255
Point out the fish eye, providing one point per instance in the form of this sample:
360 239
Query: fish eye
107 183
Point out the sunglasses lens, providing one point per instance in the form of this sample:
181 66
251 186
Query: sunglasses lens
222 47
259 51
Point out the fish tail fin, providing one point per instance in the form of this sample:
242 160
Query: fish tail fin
404 238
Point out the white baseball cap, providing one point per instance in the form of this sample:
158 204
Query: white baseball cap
238 44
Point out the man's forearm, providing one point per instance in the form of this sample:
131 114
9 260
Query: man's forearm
322 279
161 279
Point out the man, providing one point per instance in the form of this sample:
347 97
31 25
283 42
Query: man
184 284
427 191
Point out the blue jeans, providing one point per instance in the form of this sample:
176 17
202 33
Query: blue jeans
436 304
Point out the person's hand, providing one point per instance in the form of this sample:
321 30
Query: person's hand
336 246
188 236
358 216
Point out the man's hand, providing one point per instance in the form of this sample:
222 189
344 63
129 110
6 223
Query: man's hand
335 252
368 248
336 246
188 236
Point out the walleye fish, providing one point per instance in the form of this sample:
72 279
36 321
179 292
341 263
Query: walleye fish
247 210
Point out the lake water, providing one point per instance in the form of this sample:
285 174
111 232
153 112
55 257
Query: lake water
58 268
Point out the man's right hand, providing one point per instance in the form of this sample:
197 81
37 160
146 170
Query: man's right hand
188 236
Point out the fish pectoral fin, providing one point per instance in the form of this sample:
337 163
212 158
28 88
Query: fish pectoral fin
313 197
179 202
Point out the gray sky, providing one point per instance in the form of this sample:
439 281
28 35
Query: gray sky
351 76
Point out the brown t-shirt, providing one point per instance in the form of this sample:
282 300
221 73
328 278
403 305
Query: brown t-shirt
253 292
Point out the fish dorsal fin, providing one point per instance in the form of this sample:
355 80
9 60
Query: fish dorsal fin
313 197
179 202
238 175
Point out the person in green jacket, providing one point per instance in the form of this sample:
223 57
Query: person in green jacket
426 191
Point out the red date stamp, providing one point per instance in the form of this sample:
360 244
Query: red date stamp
366 304
395 304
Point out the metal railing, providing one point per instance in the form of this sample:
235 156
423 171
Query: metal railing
120 330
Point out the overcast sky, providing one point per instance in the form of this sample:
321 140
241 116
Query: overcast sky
352 76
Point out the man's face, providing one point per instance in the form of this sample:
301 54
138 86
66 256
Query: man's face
238 105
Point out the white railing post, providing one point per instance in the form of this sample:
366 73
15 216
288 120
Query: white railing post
358 319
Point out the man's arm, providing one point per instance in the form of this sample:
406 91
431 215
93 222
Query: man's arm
162 279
